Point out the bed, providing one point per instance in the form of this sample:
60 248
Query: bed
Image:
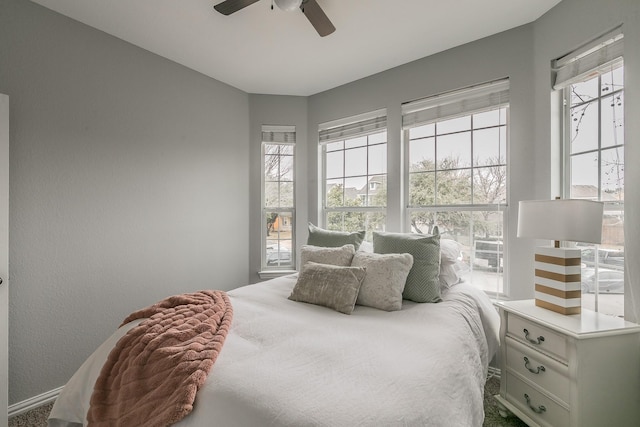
291 363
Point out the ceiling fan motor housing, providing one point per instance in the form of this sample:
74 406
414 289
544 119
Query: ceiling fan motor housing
288 5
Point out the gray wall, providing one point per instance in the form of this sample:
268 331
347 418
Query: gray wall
129 182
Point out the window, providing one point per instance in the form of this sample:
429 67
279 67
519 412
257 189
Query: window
456 174
278 198
354 167
593 88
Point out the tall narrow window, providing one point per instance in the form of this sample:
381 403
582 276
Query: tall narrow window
354 160
278 197
456 175
593 87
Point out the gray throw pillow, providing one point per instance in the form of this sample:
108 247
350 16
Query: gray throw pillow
329 286
334 256
423 280
331 239
386 276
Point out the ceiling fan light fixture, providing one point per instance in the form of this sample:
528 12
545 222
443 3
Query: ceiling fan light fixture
288 5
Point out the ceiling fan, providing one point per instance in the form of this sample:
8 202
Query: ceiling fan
310 8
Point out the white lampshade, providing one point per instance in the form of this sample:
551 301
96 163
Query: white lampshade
288 5
571 220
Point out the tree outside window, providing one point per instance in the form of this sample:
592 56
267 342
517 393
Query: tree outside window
458 181
355 171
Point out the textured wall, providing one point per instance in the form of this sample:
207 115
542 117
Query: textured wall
129 182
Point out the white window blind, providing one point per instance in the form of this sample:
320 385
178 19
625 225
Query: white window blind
352 127
598 56
456 103
279 134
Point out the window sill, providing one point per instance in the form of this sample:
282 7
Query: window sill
272 274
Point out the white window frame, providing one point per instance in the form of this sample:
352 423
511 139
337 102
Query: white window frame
591 61
286 136
363 125
461 103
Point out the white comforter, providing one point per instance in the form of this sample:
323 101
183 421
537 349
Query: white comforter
287 363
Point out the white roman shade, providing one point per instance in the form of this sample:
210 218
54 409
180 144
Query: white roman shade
456 103
353 127
598 56
279 134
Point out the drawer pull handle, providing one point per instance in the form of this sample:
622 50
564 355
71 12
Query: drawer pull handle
540 409
537 370
537 341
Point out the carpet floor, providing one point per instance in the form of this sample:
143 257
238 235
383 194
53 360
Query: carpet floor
38 417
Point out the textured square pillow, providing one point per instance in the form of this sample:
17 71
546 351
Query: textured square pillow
423 279
329 285
334 256
386 275
331 239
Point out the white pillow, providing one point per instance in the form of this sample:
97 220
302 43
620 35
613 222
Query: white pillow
449 251
341 256
366 247
448 275
385 279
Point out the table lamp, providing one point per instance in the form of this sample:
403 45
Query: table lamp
558 270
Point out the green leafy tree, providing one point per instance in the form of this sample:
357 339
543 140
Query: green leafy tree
453 187
348 221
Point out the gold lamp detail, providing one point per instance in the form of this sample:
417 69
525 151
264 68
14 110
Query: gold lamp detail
558 270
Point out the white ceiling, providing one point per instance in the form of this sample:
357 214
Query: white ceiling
259 50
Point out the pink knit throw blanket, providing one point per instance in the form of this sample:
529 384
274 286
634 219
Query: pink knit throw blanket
153 373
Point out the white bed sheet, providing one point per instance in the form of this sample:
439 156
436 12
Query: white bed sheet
287 363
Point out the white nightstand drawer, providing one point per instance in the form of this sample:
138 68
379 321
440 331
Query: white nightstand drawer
542 370
537 336
536 405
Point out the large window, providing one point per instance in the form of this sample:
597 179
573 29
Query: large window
278 198
456 146
593 87
354 164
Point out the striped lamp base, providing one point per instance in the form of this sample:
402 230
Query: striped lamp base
557 279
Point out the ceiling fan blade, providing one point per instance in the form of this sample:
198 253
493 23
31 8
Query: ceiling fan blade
227 7
317 17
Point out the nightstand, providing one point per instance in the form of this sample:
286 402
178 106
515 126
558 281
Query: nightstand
568 371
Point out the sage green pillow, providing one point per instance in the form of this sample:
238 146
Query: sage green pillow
331 286
333 239
423 281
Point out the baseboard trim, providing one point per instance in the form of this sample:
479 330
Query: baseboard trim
34 402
